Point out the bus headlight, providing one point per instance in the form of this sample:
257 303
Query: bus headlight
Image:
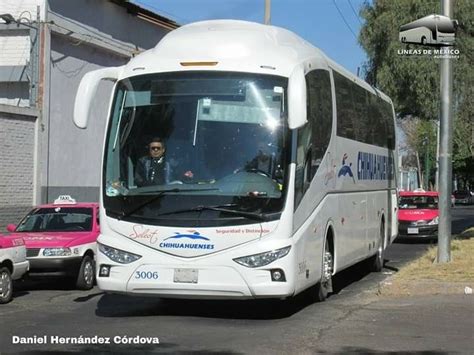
262 259
57 252
117 255
434 221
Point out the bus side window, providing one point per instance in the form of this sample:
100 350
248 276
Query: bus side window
320 114
346 114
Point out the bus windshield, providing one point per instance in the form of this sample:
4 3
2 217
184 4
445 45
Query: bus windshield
196 139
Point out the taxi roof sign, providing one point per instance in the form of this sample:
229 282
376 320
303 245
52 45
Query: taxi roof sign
64 200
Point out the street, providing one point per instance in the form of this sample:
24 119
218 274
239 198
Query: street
350 320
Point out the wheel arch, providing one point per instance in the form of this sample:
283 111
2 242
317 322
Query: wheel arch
8 264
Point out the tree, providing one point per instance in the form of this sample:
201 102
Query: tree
413 81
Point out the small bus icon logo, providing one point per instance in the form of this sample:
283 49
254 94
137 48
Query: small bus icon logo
431 30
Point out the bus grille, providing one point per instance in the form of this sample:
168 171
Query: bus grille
32 252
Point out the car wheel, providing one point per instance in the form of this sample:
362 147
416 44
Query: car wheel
86 276
423 40
376 261
324 286
6 285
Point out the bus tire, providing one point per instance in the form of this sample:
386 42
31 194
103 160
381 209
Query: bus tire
324 286
86 276
376 262
6 285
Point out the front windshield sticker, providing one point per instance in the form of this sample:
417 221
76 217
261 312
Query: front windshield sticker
180 241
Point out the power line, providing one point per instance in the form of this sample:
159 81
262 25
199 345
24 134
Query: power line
354 11
344 19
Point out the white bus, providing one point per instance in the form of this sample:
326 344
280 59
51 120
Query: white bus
281 167
429 30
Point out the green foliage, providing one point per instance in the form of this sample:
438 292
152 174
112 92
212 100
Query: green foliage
413 81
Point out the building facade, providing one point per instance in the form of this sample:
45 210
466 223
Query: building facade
46 47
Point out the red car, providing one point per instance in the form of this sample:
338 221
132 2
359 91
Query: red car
418 214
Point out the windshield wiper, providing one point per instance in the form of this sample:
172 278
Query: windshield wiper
221 208
156 197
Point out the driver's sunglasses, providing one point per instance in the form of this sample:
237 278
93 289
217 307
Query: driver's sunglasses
156 148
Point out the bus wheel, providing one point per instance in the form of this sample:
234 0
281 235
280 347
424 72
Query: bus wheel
85 278
6 285
324 286
423 40
376 261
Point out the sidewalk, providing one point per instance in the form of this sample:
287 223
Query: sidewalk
429 324
425 308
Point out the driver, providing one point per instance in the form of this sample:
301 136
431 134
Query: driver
153 169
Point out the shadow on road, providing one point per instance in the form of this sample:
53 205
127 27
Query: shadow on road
114 305
44 283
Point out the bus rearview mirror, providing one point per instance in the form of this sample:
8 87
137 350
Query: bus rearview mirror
297 98
87 91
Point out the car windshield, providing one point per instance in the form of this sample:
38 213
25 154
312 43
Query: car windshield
57 219
418 202
196 139
461 194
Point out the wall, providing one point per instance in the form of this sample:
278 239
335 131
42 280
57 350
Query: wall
101 37
15 45
75 154
17 147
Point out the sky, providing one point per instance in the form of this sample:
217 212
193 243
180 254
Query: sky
331 25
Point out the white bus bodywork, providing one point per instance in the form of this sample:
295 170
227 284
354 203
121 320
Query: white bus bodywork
351 218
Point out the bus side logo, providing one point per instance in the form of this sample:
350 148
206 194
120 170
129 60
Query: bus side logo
346 169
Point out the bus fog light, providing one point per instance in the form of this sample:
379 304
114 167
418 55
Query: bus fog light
118 255
104 270
278 275
262 259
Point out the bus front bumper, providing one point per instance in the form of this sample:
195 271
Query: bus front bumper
196 281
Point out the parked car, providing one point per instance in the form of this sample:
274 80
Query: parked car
13 264
60 240
464 197
418 214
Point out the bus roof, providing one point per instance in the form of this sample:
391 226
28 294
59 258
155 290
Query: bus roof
233 45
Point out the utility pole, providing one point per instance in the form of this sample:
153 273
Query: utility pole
426 182
268 6
445 150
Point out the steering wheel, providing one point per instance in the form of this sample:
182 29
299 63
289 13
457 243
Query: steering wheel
258 171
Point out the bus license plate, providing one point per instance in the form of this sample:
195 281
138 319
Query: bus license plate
412 231
186 276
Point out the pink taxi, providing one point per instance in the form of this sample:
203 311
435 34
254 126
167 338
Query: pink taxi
60 239
418 214
13 264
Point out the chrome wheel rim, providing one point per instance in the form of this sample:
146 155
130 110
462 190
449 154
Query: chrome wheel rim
88 273
327 268
5 284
